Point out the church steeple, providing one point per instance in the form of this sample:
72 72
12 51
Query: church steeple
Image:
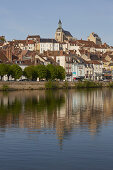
59 24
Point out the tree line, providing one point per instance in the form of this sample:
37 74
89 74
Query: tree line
49 72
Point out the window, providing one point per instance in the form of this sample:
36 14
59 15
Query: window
58 61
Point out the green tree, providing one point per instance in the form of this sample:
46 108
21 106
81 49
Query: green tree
16 71
8 70
41 71
3 70
51 72
60 72
30 73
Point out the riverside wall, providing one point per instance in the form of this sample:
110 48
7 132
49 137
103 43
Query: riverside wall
30 85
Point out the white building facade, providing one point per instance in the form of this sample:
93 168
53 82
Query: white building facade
49 45
78 71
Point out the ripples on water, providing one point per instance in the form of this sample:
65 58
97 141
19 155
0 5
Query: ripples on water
56 130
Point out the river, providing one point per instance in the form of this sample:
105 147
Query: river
56 130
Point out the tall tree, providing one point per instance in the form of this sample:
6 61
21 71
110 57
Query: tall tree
41 71
16 71
3 70
60 72
8 70
51 72
30 73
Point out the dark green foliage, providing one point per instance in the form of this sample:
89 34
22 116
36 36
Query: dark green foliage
51 72
5 87
55 72
51 85
16 71
110 84
60 73
88 84
30 73
50 102
14 109
66 85
3 70
8 70
41 71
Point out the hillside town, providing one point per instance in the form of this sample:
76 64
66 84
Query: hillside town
82 59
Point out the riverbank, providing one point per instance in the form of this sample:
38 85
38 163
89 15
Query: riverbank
8 86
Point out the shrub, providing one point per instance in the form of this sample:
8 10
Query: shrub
66 85
51 85
110 84
5 87
88 84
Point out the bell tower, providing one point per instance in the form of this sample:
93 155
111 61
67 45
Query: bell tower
59 32
60 24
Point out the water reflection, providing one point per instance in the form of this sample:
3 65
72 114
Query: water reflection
56 112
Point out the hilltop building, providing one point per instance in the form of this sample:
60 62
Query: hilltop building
95 38
61 35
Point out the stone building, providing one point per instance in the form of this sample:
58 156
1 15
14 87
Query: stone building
61 35
48 44
95 38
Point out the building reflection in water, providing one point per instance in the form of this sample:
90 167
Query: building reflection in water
56 112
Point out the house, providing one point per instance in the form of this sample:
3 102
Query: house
110 66
73 45
3 57
97 70
107 75
31 45
95 38
60 58
78 70
89 70
42 59
33 37
67 62
48 44
1 44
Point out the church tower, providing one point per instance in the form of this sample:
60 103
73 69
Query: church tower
59 32
60 24
62 35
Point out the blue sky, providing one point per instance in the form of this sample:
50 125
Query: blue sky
18 18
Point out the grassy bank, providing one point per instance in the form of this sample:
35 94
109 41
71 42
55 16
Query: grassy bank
88 84
7 86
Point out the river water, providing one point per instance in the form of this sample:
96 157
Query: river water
56 130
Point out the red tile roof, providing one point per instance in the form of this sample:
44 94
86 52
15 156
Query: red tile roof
3 58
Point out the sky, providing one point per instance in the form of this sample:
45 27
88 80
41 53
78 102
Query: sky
19 18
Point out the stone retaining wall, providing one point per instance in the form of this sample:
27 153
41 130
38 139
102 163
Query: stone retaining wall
35 85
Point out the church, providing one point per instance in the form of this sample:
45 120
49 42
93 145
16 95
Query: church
61 35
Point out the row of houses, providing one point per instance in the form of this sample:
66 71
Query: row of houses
36 43
86 65
75 66
89 59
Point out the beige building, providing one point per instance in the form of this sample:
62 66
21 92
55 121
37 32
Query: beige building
95 38
61 35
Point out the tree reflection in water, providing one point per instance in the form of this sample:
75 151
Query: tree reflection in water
58 112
